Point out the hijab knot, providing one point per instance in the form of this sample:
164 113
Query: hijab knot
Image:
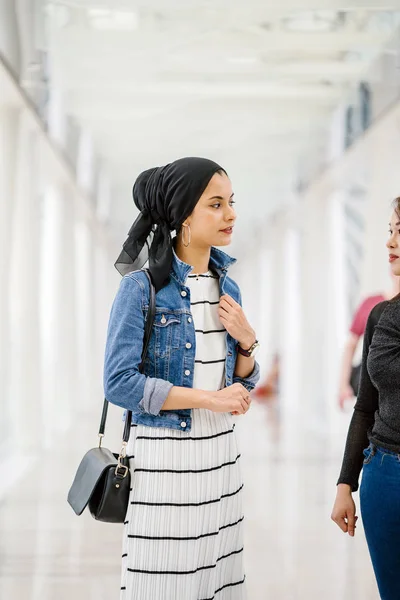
165 197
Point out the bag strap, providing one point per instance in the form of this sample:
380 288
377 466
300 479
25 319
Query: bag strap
146 340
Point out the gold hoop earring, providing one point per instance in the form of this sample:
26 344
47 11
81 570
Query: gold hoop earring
183 237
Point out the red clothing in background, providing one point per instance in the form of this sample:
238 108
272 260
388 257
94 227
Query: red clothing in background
361 317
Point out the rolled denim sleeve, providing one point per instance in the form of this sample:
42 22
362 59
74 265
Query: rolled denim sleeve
251 381
124 385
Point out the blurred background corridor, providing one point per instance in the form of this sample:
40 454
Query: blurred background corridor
300 102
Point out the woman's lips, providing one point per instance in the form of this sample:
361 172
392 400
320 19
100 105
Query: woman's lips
392 257
227 230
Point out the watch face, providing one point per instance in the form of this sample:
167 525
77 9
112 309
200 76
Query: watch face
255 350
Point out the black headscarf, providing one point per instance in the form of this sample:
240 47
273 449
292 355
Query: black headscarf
165 196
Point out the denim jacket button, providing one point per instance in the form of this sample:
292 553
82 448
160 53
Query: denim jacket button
188 346
189 319
183 424
183 293
187 372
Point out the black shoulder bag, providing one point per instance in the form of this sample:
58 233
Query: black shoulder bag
103 477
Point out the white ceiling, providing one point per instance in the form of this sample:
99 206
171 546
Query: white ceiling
247 84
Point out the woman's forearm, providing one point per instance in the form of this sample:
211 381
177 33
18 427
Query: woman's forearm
182 397
347 360
244 366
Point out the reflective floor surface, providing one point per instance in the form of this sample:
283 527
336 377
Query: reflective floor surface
293 550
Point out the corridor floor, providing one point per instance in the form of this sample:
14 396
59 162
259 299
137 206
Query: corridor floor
292 549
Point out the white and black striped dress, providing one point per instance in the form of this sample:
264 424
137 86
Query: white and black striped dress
183 531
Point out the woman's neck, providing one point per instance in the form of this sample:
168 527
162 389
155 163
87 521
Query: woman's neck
198 258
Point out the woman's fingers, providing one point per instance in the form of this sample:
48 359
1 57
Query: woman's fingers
351 524
245 401
246 396
347 522
342 523
228 300
244 405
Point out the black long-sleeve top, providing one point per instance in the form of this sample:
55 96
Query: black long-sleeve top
376 415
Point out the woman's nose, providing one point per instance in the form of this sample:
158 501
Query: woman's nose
391 243
230 215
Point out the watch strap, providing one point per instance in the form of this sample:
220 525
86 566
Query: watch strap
248 352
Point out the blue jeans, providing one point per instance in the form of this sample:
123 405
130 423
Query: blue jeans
380 511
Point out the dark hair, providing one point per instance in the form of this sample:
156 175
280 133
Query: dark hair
396 206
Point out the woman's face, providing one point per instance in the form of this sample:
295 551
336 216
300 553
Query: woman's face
211 223
393 243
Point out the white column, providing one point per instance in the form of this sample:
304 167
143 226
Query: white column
314 278
24 295
383 187
277 285
67 306
8 147
265 293
58 312
107 280
9 35
290 325
337 321
85 299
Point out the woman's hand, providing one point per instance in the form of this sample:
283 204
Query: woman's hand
345 393
344 510
234 320
234 399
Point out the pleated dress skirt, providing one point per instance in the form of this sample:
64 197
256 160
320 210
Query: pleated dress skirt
183 537
183 531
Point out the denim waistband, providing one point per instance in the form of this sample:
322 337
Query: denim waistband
385 450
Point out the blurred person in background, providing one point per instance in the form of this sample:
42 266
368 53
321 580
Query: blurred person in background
350 374
374 434
184 525
270 387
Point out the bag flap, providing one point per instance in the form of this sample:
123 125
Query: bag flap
90 470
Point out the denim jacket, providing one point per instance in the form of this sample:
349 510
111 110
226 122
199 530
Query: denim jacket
170 358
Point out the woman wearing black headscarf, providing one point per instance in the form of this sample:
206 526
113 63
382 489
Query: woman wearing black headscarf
183 528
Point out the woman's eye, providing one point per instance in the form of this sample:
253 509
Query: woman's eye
218 204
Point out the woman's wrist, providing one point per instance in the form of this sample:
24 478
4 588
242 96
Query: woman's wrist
184 398
248 341
202 399
344 488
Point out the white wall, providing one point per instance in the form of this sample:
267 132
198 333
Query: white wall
56 274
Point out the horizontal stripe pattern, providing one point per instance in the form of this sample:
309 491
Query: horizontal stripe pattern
204 276
210 331
210 334
180 471
186 438
183 532
228 585
213 501
186 572
209 362
202 510
199 302
184 538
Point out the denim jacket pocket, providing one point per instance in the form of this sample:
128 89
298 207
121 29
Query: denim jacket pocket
167 333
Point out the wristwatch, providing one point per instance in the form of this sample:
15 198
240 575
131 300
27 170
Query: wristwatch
252 351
